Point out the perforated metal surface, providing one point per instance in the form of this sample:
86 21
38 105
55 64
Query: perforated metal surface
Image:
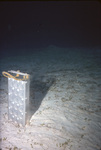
18 100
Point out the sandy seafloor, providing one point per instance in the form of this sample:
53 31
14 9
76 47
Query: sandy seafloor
65 100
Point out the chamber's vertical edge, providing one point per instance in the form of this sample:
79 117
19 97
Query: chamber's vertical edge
8 97
27 99
24 103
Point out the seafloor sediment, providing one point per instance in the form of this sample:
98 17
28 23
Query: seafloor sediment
65 101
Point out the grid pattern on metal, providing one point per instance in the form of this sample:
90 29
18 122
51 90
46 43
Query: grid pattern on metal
18 100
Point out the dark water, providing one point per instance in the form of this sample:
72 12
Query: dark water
27 27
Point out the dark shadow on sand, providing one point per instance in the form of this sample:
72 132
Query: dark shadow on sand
38 90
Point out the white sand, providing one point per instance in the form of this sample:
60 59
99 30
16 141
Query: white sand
65 97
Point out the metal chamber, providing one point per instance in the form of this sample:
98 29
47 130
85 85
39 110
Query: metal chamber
18 100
